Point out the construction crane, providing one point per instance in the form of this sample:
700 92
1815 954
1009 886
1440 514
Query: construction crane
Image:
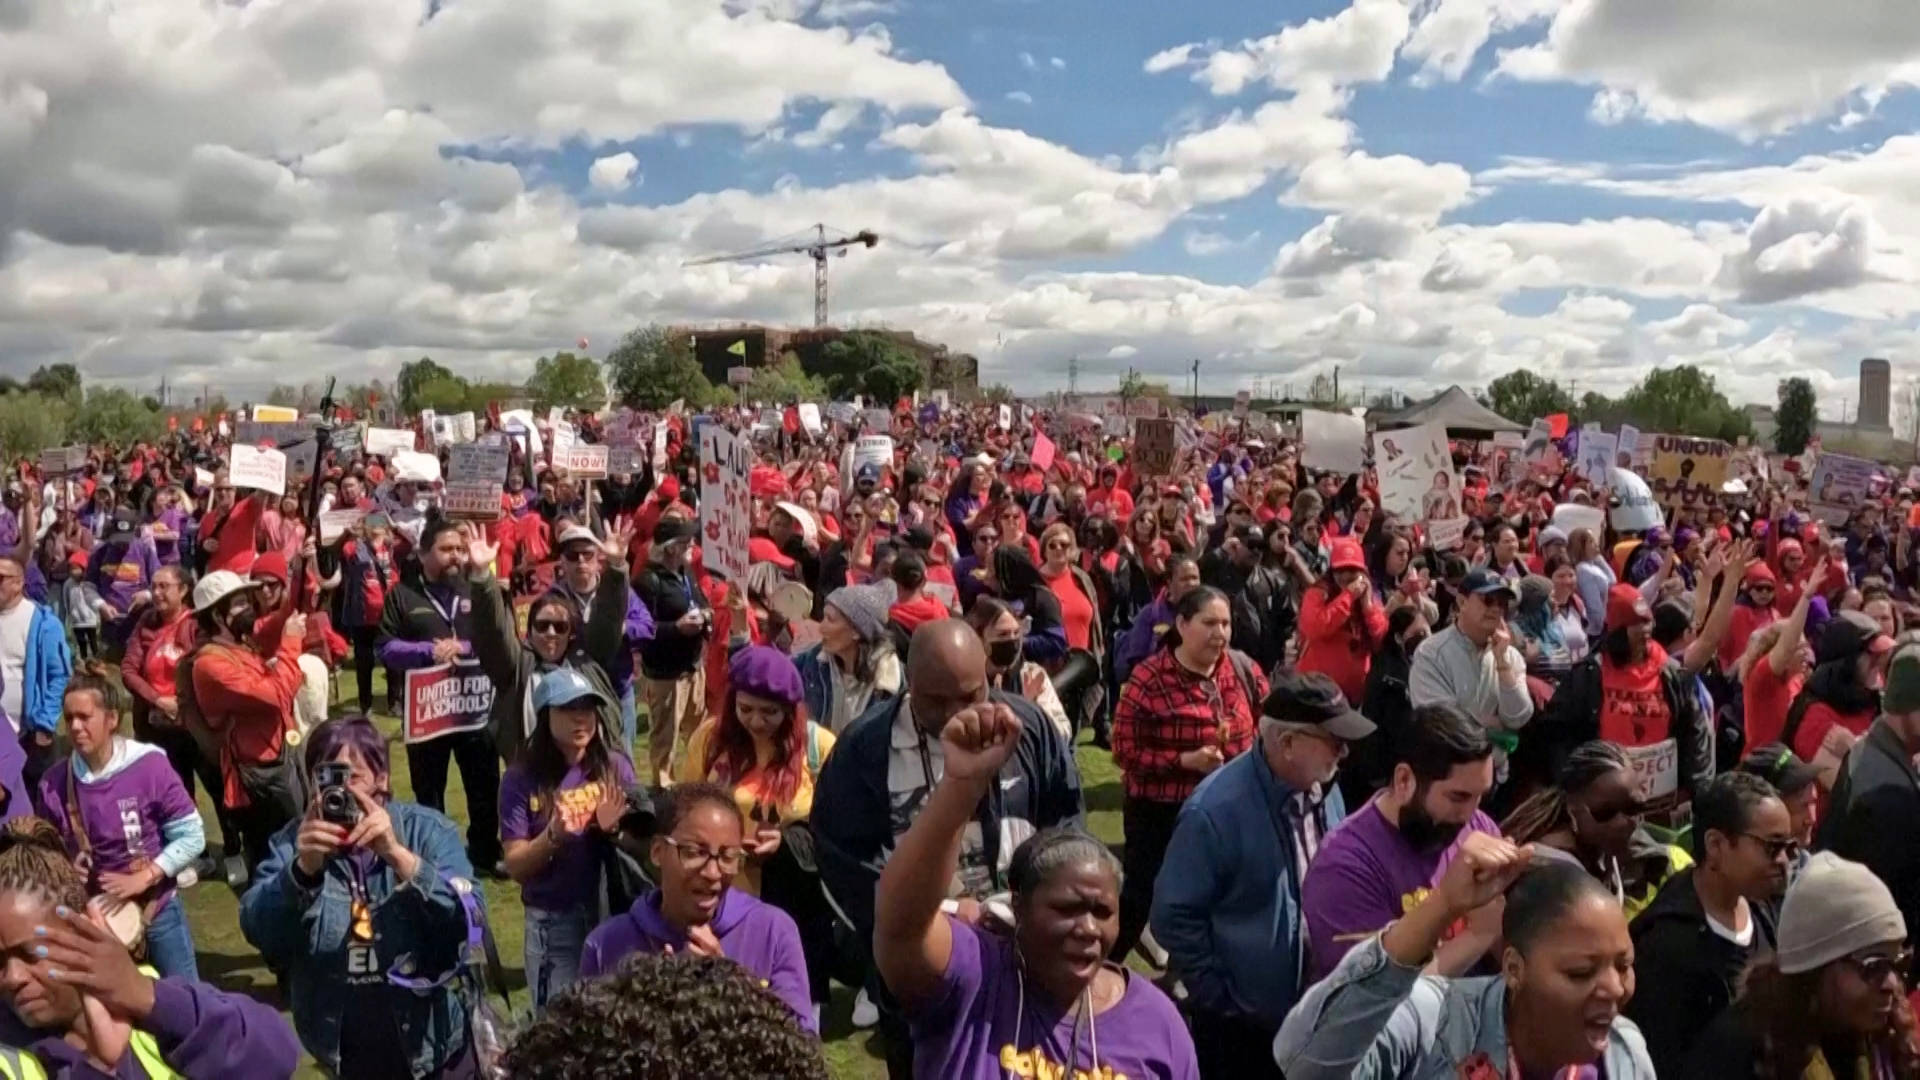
817 246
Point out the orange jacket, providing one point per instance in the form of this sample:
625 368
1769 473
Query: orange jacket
248 701
1335 647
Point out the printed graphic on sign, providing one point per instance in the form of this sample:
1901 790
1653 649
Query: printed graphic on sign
476 475
1841 485
725 501
446 700
1686 470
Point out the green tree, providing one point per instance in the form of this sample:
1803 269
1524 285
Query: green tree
56 381
446 393
785 383
282 394
997 394
110 414
415 375
1132 385
863 362
1683 400
30 423
567 380
1795 416
1521 396
650 369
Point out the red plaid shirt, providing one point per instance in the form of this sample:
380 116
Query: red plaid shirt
1166 710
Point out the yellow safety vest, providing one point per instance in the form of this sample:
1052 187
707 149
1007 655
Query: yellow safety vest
20 1065
146 1048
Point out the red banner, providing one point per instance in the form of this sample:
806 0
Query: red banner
446 700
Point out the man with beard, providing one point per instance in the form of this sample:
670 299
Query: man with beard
425 622
1382 861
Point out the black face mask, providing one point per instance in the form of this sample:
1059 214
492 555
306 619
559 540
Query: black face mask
240 620
1004 654
1423 831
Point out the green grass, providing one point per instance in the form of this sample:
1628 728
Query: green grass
227 961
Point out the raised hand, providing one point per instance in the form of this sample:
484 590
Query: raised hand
481 553
978 740
1481 871
79 952
618 541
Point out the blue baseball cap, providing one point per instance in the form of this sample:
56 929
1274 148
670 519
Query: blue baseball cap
565 686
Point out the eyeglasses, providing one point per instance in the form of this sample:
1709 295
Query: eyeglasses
1875 969
550 626
1776 847
579 554
695 857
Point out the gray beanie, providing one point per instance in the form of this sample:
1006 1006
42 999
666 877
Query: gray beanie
1834 909
865 606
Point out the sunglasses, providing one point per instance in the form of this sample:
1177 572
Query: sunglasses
1604 814
1775 848
550 626
1875 969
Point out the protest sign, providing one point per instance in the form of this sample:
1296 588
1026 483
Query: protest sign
446 700
725 512
61 460
623 460
1628 443
1538 450
879 420
347 438
1841 485
1570 516
563 440
301 458
1417 482
335 523
1333 441
1143 407
386 442
660 432
1153 446
445 431
586 461
1006 417
476 475
1508 440
466 427
1241 399
415 467
1684 469
810 418
257 469
841 412
1043 451
1656 772
202 479
275 413
1637 511
1596 455
770 419
876 450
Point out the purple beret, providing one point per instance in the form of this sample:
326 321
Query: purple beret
766 673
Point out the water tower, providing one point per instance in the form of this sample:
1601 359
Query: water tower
1876 381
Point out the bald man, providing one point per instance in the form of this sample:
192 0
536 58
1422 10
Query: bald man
880 772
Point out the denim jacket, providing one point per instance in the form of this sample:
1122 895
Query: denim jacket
305 935
1373 1019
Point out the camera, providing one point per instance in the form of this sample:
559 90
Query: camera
337 804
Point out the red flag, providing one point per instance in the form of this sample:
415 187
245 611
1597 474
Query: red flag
1557 423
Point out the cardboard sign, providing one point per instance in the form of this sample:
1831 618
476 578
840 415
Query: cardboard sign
335 523
1598 451
874 450
585 461
257 469
1153 446
416 467
476 475
810 418
1417 482
1043 451
446 700
726 511
274 414
1656 770
1686 469
1841 485
348 439
61 460
1333 441
386 442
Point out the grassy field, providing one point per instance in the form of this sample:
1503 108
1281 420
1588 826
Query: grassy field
227 961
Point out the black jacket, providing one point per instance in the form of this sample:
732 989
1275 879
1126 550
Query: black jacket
1685 975
1573 717
1871 814
671 654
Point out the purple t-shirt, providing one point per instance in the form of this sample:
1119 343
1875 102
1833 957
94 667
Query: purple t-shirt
168 551
976 1024
569 880
123 814
1365 876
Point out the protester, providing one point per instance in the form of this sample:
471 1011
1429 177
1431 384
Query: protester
698 848
1143 636
364 915
967 990
855 665
1555 1009
1592 817
128 823
1795 781
1841 695
1379 863
1772 670
1007 670
35 663
1226 904
584 560
1187 710
672 678
1473 665
1693 944
369 570
1341 622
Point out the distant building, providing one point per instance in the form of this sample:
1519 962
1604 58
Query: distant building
1876 382
763 345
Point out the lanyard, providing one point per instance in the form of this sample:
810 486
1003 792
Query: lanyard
447 612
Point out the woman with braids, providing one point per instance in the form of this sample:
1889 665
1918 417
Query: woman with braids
127 821
79 1005
1831 1002
683 1015
1554 1010
1591 819
361 913
699 844
1016 579
1043 1000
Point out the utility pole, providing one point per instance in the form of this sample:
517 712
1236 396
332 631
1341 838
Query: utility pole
1336 384
1073 376
1196 384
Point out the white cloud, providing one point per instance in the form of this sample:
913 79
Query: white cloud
614 173
1801 247
1202 244
1697 325
1020 96
1168 59
1027 61
1356 45
1395 184
1122 352
1450 33
1057 64
1344 240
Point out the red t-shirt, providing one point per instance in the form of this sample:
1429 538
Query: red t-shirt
1076 608
922 609
1767 698
162 659
1633 701
1819 718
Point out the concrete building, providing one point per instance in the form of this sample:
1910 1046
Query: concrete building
1876 383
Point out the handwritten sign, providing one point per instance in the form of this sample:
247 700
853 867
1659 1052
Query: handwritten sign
586 461
1153 446
257 469
446 700
1656 770
476 475
725 501
1684 468
386 442
347 439
335 523
875 450
61 460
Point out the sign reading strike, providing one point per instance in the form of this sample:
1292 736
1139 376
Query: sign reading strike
446 700
725 510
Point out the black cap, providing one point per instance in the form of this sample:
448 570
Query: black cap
1315 699
124 523
673 528
1481 581
1781 767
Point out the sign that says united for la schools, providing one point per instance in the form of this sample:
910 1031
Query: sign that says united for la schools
446 700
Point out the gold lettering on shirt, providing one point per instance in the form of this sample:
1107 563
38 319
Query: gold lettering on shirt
1033 1065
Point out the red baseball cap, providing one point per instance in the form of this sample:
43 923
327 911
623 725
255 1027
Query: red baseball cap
1346 555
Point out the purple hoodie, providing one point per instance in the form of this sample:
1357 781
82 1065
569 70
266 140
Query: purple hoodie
200 1032
758 936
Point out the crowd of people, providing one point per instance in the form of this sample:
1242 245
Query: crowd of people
1584 802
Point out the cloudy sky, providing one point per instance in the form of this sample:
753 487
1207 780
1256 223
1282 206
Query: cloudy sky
1418 191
